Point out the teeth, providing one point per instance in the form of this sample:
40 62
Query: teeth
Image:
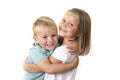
49 44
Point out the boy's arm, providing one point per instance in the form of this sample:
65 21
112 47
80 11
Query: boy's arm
46 66
54 60
30 67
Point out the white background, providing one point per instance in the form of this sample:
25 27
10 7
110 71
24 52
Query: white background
17 17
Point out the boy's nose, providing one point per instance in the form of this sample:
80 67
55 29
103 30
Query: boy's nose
50 39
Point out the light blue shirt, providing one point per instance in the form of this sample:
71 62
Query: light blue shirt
36 54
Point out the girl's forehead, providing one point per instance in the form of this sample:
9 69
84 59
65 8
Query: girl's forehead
72 17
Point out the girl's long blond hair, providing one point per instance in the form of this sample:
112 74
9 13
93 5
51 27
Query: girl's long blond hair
84 28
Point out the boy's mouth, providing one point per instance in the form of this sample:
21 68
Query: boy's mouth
50 45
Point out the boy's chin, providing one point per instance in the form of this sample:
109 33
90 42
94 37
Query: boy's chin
50 48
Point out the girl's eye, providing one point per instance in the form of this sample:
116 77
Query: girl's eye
63 20
70 24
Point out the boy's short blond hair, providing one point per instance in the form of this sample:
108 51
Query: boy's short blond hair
42 21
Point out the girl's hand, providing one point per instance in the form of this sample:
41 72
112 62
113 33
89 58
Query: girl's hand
73 47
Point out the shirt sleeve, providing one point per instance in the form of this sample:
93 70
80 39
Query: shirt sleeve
37 55
61 53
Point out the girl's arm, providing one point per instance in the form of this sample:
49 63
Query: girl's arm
73 47
46 66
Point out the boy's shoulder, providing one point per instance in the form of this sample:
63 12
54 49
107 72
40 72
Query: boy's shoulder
36 48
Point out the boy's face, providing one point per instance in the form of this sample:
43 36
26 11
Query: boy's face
68 27
47 37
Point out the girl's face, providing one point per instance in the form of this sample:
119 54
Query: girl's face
47 38
68 27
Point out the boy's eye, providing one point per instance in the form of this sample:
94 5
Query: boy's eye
45 37
53 35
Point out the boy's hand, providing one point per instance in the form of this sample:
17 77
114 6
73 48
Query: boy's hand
73 47
30 67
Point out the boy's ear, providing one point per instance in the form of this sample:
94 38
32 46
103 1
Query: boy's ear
35 39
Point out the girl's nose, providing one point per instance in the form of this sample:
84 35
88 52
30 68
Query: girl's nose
64 25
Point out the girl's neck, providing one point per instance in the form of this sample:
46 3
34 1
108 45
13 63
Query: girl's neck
65 41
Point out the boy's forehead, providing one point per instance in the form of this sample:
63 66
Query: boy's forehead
48 28
47 32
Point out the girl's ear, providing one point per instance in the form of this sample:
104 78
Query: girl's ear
35 39
77 35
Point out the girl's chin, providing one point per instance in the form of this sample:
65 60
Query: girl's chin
61 35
